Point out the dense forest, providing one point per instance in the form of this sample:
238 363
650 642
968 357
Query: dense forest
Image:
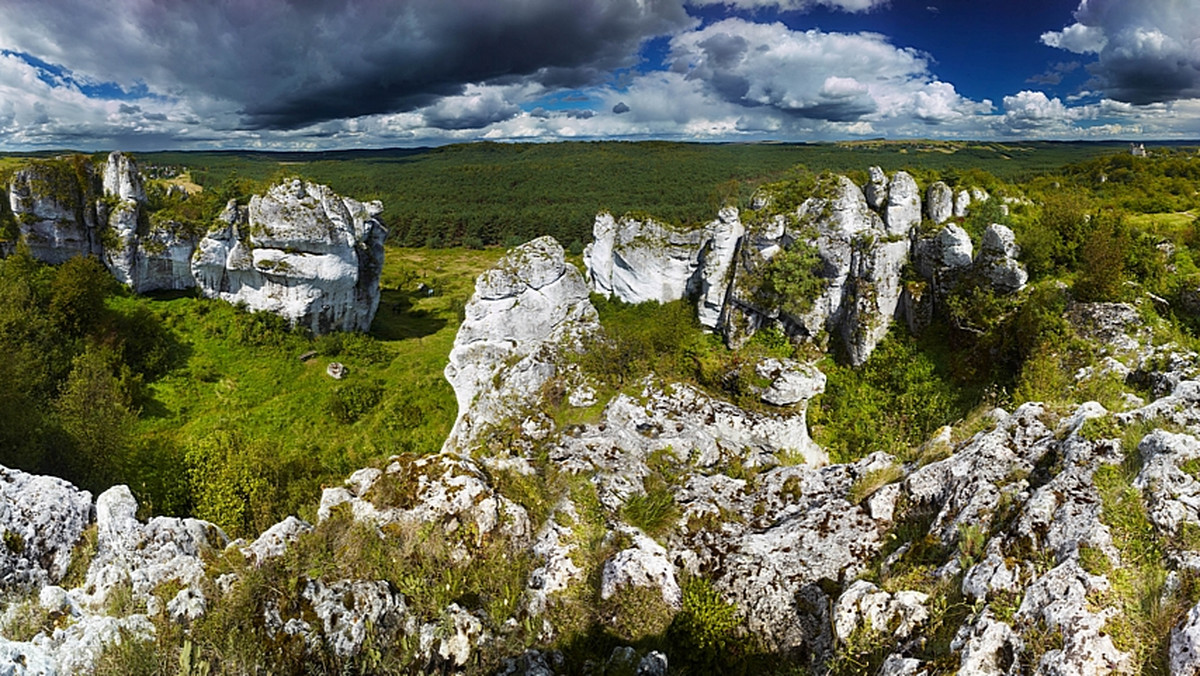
490 193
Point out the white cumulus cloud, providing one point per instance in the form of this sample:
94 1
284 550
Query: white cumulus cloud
1148 50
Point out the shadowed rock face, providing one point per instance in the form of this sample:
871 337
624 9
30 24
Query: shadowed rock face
300 251
143 256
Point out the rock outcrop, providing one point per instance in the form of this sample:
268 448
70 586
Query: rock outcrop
54 204
638 260
716 268
522 311
300 251
997 260
860 256
142 254
939 202
1005 549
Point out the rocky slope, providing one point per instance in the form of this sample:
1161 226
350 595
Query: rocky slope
674 529
299 251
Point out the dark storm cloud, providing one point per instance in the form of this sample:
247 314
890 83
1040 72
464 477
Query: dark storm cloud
286 64
620 108
1147 50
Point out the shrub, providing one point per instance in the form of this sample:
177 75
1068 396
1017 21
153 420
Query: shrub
351 401
792 279
1103 269
702 635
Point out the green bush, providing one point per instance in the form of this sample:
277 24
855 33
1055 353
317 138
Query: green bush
703 636
351 401
1103 265
892 403
792 279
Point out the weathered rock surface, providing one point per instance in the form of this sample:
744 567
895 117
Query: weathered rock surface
791 381
903 212
300 251
854 250
939 202
716 270
42 518
522 311
140 254
899 614
54 206
997 260
644 260
876 189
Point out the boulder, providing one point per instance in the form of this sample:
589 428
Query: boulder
903 213
997 260
939 202
962 200
645 564
300 251
791 382
1185 644
865 602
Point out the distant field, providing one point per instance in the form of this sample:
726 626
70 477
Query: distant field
490 193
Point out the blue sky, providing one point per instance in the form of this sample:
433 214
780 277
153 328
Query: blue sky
318 74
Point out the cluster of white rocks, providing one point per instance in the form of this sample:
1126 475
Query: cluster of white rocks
299 251
863 236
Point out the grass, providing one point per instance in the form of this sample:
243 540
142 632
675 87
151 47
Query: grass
237 384
1143 627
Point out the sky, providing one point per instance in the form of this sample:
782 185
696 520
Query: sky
340 74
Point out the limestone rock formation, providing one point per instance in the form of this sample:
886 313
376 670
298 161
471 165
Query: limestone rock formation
997 260
903 210
939 202
53 202
139 253
641 260
830 223
716 269
876 189
860 261
42 518
522 310
300 251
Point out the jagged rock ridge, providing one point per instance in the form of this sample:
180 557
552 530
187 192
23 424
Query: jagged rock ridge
862 239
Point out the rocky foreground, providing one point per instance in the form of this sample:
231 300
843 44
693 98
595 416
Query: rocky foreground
1029 543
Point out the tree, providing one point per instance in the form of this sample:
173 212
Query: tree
1103 269
94 412
77 295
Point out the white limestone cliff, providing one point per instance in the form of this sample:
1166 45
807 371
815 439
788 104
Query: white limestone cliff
300 251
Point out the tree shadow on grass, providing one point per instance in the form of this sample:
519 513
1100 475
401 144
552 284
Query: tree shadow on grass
396 318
